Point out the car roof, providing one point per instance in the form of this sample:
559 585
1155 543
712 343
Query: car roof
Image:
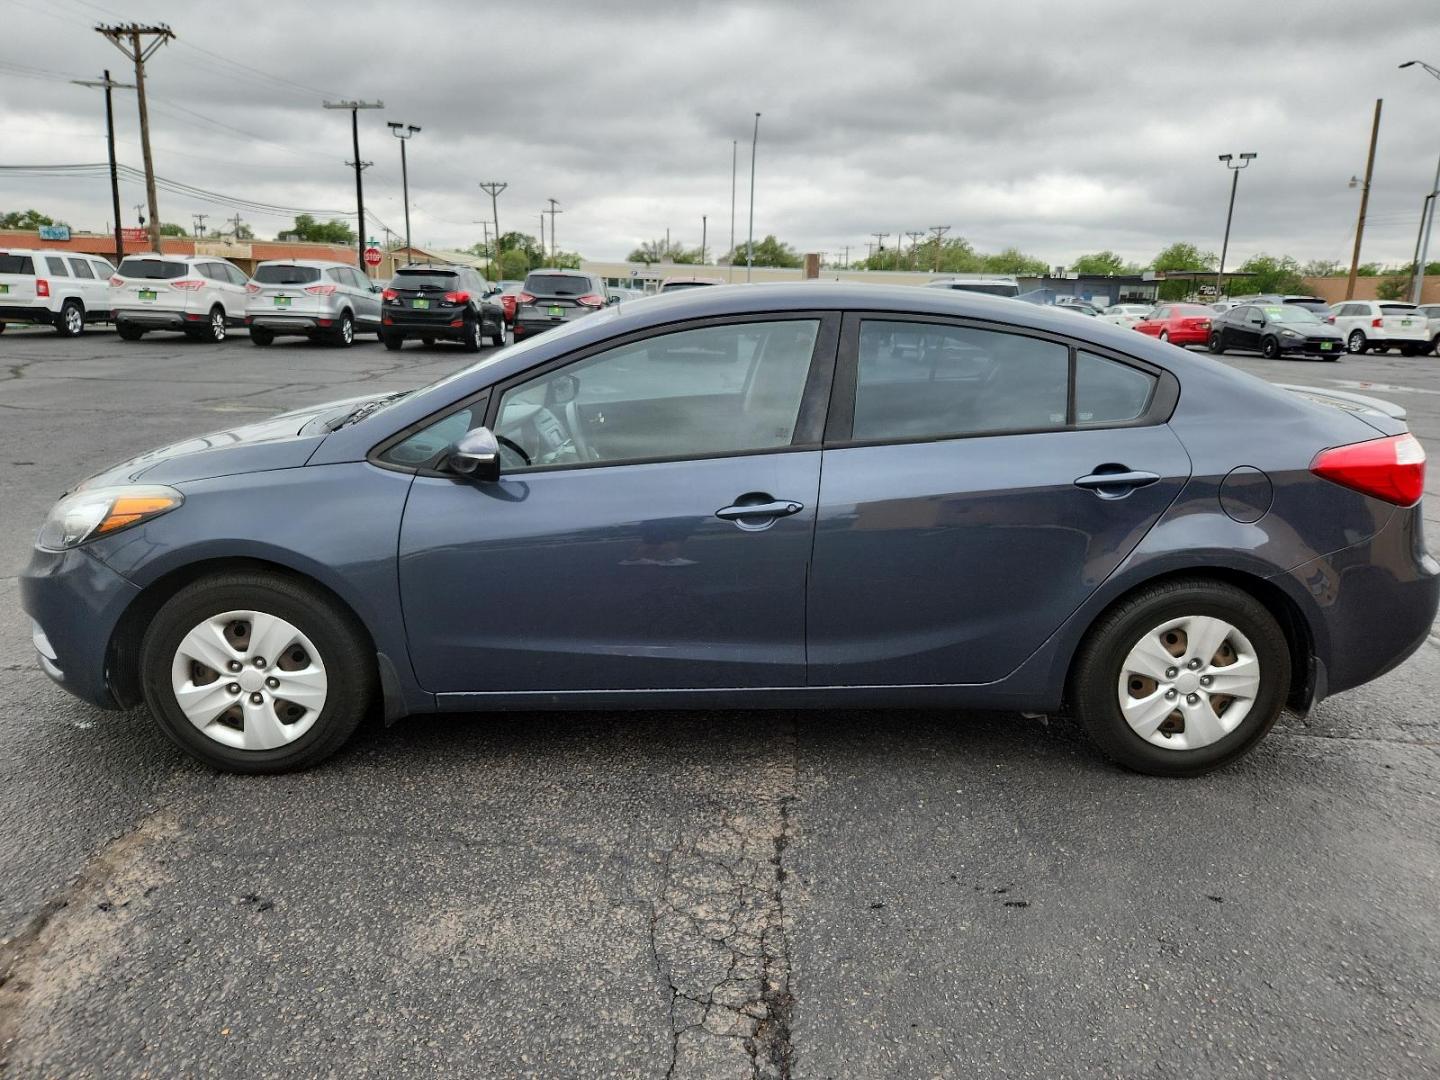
319 264
558 270
53 251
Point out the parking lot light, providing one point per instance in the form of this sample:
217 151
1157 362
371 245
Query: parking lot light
405 132
1229 162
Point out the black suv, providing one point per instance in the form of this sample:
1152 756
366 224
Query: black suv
435 302
552 297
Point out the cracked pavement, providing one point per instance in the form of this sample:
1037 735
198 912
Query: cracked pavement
829 894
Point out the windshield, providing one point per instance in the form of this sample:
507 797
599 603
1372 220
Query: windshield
286 275
557 285
439 280
155 269
1290 314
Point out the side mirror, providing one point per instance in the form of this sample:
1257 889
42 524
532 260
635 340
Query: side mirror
611 299
376 288
475 455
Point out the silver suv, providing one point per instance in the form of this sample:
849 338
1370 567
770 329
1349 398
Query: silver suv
63 289
324 301
202 296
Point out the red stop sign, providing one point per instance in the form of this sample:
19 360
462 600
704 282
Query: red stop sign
372 256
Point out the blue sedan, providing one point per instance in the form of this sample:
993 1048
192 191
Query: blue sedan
797 496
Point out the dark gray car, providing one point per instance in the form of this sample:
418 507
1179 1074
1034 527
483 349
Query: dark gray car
440 303
551 298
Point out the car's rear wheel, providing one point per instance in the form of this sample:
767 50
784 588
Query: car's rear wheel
1181 677
256 673
498 339
72 319
1215 343
345 331
1356 342
129 331
474 339
393 341
2 327
213 330
1270 348
1164 335
262 337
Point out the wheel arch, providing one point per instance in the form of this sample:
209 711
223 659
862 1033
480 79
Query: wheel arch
1293 624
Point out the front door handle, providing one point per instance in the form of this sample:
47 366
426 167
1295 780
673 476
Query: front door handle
1116 484
777 509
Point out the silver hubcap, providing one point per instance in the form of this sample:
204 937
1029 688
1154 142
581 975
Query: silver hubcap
347 330
249 680
73 320
1189 682
217 326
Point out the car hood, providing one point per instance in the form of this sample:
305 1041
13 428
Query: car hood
279 442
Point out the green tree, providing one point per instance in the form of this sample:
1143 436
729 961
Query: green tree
1013 261
524 243
657 251
1392 288
333 231
1322 268
565 260
1181 256
169 228
1101 262
512 265
26 219
1432 268
1272 275
767 252
1368 270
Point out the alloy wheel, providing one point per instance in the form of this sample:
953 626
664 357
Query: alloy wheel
249 680
74 320
1189 682
217 325
1355 343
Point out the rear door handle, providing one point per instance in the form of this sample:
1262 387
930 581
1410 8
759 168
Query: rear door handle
779 508
1113 485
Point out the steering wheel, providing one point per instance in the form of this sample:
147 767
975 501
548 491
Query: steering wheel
513 445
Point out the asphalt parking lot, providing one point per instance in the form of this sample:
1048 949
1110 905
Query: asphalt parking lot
855 894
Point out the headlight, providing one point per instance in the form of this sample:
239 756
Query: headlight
1289 333
100 511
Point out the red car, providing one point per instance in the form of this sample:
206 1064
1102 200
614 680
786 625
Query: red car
1179 324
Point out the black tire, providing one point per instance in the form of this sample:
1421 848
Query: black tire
498 340
428 340
1356 343
262 337
1270 348
129 331
1214 343
1164 335
1096 674
2 327
348 659
72 319
393 342
214 330
474 339
344 335
1411 350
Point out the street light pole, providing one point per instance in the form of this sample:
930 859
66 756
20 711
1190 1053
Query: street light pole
1229 161
750 243
360 166
405 132
1364 203
1427 216
734 152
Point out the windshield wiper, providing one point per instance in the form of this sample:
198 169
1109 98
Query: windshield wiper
362 410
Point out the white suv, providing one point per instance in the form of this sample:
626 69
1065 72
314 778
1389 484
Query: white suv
63 289
1381 324
1432 324
203 296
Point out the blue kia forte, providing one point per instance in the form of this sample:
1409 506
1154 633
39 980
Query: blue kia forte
797 496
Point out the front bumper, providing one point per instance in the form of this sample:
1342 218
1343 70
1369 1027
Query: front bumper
17 313
1312 346
76 602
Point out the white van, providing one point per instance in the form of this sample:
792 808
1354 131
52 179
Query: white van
63 289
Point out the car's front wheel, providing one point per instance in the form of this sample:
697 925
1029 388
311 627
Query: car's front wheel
1181 677
256 673
345 331
1356 342
1270 348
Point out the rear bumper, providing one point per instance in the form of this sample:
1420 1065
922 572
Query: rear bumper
18 313
531 327
153 319
290 324
76 602
1189 337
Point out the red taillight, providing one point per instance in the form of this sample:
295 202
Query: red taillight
525 298
457 297
590 300
42 287
251 287
188 284
388 294
116 279
1377 323
1392 469
320 290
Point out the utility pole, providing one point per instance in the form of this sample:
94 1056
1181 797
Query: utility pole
1228 159
734 151
404 132
750 243
110 140
199 220
914 240
1364 202
542 237
359 166
847 256
879 242
493 188
704 228
235 222
554 251
129 38
939 231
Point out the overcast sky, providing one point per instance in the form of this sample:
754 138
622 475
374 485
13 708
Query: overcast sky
1056 129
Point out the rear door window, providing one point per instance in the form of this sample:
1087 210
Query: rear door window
926 380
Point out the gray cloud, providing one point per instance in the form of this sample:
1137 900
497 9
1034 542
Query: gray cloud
1056 130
